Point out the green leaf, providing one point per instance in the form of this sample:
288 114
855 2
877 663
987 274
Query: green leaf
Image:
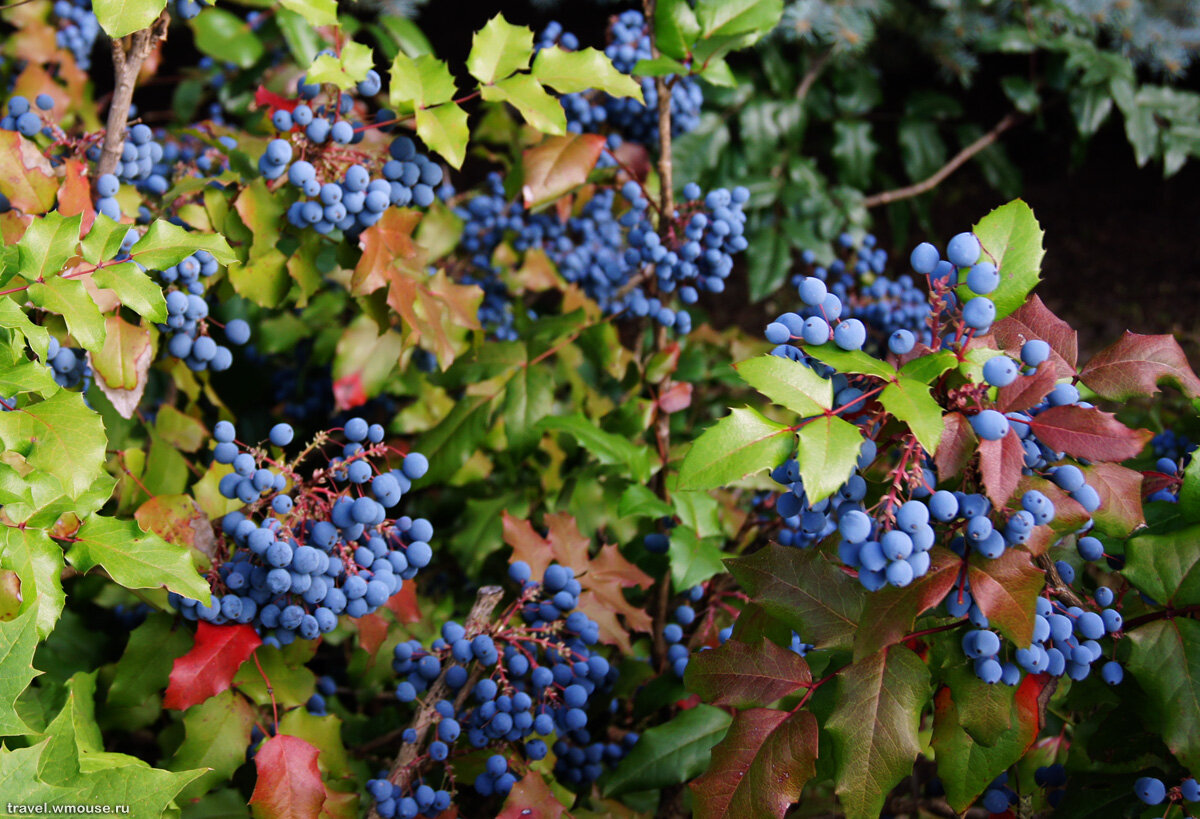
745 675
217 733
316 12
1166 566
407 35
740 444
498 49
569 72
135 559
874 727
444 130
827 453
699 511
18 640
1166 662
165 244
227 37
527 95
1022 93
929 367
851 361
38 562
135 289
693 559
675 28
659 67
454 439
788 383
27 376
14 318
730 24
302 39
121 17
639 501
1012 239
909 400
922 149
670 753
815 598
46 246
71 300
528 398
605 447
60 436
420 82
854 151
144 669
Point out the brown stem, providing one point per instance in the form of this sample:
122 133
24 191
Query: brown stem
486 600
1162 614
128 55
1057 586
814 72
925 185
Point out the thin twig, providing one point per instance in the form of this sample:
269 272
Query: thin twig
486 600
129 53
925 185
814 72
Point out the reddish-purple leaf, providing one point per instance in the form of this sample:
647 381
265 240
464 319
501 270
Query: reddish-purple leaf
956 447
531 798
1120 491
890 612
1000 464
209 667
557 165
1034 320
289 783
1136 364
1086 432
761 766
1028 390
1006 590
743 675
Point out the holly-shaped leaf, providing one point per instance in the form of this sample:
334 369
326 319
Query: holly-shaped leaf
1028 390
539 108
134 288
135 559
788 383
827 453
670 753
1012 239
123 365
121 17
957 446
1000 465
605 447
26 178
570 72
1136 364
531 798
851 361
38 563
289 783
217 732
890 613
557 165
1006 590
966 767
1033 320
745 675
208 668
18 641
444 130
805 590
436 310
1120 491
909 400
498 49
47 245
694 559
1166 566
874 727
1086 432
165 244
60 436
71 300
1166 663
761 766
145 666
317 12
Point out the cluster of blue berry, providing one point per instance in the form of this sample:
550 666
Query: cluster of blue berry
68 366
1153 791
78 29
333 548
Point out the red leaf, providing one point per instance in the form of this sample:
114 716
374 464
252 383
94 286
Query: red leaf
677 397
1006 590
208 668
1086 432
1120 491
531 798
372 631
75 195
558 164
1000 464
744 675
760 767
1136 364
348 391
289 783
268 99
1028 390
890 612
1034 320
957 446
403 604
